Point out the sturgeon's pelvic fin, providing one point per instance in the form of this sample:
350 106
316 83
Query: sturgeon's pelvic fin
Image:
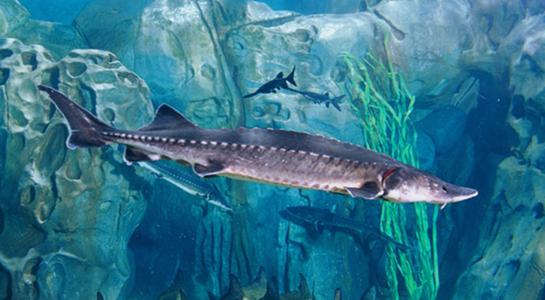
85 129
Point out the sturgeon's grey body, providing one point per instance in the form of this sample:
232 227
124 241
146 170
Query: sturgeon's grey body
281 157
278 157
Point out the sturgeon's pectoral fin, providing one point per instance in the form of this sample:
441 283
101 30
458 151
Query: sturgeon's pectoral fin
167 118
213 168
133 154
370 191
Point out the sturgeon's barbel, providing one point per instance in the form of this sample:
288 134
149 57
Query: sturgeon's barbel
281 157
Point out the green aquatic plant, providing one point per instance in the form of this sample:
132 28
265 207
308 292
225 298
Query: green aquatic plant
380 96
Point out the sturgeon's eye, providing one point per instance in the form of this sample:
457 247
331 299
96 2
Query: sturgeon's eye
444 189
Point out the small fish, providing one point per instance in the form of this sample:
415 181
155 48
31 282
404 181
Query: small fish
279 82
185 179
320 98
256 290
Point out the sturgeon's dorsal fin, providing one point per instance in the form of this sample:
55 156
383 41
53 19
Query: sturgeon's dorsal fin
167 118
280 75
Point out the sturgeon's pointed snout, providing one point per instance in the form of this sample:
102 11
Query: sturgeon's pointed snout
459 193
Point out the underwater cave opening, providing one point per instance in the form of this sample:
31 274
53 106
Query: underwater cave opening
493 139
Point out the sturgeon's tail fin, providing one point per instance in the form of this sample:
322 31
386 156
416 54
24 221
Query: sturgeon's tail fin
291 77
85 129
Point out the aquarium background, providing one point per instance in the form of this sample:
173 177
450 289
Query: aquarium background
83 225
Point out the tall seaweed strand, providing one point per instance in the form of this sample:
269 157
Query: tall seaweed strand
380 96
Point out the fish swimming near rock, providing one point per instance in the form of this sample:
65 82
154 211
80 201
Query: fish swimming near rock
255 290
175 291
279 82
188 181
279 157
263 289
302 293
317 98
316 220
338 294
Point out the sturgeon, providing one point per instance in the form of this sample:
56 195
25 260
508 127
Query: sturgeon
281 157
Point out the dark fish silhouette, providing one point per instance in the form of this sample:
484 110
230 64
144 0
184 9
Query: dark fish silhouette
316 220
281 157
320 98
279 82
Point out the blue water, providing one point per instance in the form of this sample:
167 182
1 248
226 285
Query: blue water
84 224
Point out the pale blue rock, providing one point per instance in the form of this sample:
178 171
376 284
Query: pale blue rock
319 7
12 15
16 23
63 12
68 214
58 38
174 46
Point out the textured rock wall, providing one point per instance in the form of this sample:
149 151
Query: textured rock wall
67 215
506 260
